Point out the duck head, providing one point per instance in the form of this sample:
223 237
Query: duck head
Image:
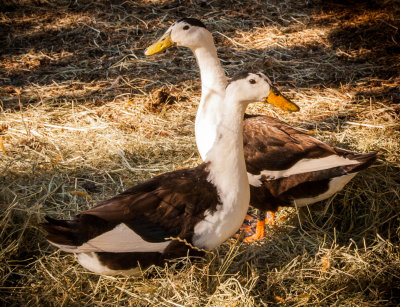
187 32
248 87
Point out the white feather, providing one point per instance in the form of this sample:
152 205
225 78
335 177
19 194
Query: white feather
213 84
91 262
302 166
120 239
335 185
228 174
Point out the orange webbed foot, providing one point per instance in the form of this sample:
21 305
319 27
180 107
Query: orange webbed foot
256 232
250 220
247 226
259 234
270 218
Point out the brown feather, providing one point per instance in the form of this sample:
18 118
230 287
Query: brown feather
270 144
169 205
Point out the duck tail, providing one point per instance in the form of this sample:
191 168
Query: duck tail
62 233
365 160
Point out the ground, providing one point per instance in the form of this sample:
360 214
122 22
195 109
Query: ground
84 115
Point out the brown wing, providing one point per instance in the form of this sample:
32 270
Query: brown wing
270 144
164 206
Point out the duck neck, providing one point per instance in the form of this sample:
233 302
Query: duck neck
213 84
227 172
226 156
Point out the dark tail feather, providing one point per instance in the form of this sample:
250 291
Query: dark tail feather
61 231
365 159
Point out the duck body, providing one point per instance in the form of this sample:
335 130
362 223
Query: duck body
294 168
133 227
286 167
163 217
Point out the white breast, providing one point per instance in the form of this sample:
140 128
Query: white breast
205 134
229 177
222 224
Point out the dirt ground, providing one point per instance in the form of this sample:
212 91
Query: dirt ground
84 115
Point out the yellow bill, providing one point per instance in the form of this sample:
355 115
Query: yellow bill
163 43
278 100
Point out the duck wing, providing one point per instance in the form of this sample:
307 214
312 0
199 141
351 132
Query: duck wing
285 163
270 144
141 218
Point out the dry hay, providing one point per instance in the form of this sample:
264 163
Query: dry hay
84 115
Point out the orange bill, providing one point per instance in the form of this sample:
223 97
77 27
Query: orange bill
163 43
277 99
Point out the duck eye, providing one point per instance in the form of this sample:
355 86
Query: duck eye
252 81
186 27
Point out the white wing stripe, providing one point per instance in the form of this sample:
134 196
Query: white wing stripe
302 166
121 239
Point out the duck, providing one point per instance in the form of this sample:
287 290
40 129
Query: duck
285 165
168 216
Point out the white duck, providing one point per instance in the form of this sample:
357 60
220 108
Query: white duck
285 166
202 206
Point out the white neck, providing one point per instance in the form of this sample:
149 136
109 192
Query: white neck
213 84
228 173
226 156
